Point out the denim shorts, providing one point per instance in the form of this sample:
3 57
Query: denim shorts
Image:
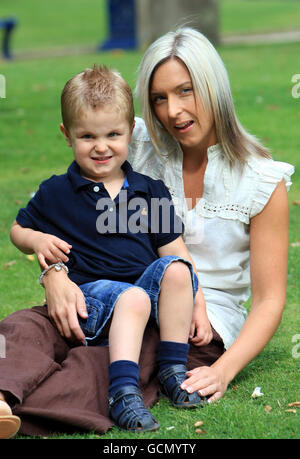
102 295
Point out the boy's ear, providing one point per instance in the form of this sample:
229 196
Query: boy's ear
65 133
132 128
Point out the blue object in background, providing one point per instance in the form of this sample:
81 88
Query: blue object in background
122 25
8 26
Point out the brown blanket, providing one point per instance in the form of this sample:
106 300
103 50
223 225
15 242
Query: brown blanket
58 388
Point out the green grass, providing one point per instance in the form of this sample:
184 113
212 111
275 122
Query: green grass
32 148
57 23
258 16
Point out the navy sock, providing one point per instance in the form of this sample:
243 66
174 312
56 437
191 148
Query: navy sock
171 353
122 372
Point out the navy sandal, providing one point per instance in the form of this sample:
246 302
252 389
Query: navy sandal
170 380
127 410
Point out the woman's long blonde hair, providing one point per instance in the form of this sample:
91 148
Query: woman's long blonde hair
211 83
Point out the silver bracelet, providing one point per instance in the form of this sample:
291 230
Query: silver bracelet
57 266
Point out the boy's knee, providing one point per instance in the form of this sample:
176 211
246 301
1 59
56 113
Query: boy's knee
178 273
138 301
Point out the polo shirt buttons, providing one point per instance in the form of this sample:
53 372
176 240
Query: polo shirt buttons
111 209
96 189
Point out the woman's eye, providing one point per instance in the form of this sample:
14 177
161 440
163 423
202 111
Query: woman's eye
157 99
187 90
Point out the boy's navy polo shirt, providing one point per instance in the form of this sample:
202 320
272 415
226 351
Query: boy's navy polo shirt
76 209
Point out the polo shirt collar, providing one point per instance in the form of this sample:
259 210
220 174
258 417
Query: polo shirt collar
136 181
75 177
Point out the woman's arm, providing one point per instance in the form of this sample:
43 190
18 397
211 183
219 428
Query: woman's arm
65 301
268 264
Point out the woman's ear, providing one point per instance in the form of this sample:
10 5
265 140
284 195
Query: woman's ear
65 134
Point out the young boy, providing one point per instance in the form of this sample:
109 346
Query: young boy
130 264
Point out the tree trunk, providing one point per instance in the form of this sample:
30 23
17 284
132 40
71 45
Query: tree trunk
156 17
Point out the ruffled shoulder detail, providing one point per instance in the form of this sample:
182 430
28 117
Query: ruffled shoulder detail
268 173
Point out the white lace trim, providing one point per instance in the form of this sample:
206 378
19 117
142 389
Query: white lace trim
207 209
227 210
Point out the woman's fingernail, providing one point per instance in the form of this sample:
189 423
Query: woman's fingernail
183 386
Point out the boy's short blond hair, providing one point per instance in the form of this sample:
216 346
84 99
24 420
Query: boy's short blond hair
94 88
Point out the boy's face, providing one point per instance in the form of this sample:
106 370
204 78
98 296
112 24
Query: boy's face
100 141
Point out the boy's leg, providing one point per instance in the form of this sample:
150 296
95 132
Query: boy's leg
171 285
175 303
128 309
130 316
175 309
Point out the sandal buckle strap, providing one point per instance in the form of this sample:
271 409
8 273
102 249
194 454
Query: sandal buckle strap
127 390
127 410
172 370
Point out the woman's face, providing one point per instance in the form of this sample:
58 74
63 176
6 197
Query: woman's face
174 104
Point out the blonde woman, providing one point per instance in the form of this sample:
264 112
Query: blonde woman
231 194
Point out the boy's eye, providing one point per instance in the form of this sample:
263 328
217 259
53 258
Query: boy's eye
87 136
113 134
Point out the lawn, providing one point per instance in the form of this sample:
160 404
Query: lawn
258 16
32 149
56 24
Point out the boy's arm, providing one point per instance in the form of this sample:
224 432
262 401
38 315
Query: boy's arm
200 332
64 298
48 248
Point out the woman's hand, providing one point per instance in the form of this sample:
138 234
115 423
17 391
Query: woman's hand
200 331
64 301
207 381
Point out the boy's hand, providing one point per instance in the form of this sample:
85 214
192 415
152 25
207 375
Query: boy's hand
200 331
50 249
